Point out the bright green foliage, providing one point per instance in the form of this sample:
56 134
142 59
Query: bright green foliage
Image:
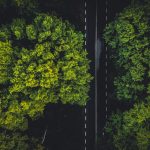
49 65
131 130
18 28
18 141
6 51
128 37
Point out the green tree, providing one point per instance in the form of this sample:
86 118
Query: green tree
130 130
48 65
18 141
128 39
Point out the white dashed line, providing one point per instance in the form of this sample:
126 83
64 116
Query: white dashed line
106 63
85 118
85 20
106 68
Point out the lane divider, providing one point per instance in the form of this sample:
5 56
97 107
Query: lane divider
106 67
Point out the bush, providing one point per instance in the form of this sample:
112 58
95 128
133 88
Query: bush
48 65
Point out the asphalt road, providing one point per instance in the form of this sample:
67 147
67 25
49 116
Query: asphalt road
65 125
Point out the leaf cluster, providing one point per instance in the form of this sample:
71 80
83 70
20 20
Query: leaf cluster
128 37
18 141
131 129
129 43
48 64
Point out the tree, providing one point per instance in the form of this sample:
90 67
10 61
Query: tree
130 130
128 38
18 141
48 65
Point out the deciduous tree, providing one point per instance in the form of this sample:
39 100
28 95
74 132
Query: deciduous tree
130 130
47 63
128 39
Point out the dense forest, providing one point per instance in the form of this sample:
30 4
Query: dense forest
43 61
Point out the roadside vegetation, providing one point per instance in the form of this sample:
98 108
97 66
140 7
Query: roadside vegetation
129 44
42 61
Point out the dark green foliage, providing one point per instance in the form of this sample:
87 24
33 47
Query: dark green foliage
18 141
128 37
48 65
14 141
131 130
22 4
129 44
10 9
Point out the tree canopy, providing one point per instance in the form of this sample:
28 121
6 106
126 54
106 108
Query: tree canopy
128 37
129 44
42 62
131 129
18 141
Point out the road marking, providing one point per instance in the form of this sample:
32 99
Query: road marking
106 18
106 10
106 67
103 133
106 87
44 136
106 63
85 118
106 79
85 126
106 56
106 94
